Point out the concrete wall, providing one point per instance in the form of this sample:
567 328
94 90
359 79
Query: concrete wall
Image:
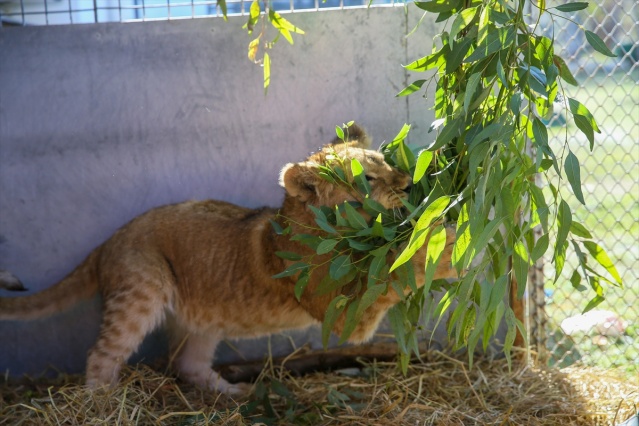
99 123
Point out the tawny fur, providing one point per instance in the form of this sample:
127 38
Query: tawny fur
204 268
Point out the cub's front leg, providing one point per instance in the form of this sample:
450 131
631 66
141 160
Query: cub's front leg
192 356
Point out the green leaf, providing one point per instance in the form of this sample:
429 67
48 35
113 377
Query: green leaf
560 259
594 302
267 71
405 157
420 231
584 125
471 88
579 230
564 219
571 166
600 255
355 219
434 251
222 5
500 73
288 255
360 177
497 293
451 130
575 281
577 108
280 23
340 266
301 284
431 61
396 319
571 7
497 39
463 238
378 228
438 6
326 246
540 133
339 132
292 270
520 267
544 50
597 43
412 88
564 71
456 56
423 161
510 335
368 298
333 311
479 243
461 21
376 270
400 136
328 285
540 247
254 16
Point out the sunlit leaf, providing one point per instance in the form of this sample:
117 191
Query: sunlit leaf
420 231
462 20
423 162
222 5
253 48
600 255
431 61
412 88
267 71
434 251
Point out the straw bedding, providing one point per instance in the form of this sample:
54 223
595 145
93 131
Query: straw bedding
438 390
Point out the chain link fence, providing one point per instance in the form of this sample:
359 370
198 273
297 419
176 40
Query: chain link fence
608 336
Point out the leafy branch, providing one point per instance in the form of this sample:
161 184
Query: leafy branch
496 82
259 18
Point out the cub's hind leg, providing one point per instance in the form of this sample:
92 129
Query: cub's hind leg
130 313
193 360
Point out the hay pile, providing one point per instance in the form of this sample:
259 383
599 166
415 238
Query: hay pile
441 390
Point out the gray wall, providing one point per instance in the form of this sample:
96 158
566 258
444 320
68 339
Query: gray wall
99 123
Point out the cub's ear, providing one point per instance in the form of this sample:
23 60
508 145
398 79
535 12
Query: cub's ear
301 180
354 135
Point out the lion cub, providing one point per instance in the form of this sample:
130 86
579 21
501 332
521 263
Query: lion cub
204 268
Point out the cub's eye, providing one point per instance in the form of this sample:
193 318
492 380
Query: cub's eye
369 178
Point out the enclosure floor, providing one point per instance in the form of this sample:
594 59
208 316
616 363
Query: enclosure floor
438 390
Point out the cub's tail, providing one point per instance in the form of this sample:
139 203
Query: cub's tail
81 284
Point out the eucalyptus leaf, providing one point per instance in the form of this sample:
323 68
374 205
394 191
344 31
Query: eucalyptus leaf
598 44
572 7
571 166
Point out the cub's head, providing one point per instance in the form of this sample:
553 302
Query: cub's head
304 181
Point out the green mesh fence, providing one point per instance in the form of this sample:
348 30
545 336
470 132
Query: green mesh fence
609 335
